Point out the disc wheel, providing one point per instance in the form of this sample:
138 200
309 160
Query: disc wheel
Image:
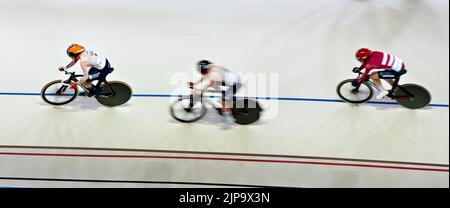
118 95
421 96
246 111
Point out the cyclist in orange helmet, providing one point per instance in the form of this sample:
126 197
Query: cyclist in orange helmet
94 67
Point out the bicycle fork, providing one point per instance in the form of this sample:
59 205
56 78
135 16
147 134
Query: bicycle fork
63 88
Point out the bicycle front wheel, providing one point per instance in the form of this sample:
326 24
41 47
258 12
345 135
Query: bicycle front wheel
351 94
55 93
183 111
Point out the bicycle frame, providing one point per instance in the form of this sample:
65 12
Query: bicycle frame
392 92
205 99
73 78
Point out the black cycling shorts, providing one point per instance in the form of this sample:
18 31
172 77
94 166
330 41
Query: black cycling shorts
97 74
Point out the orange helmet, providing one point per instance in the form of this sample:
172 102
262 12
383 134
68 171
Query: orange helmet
74 50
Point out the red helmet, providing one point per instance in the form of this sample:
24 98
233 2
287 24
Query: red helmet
362 54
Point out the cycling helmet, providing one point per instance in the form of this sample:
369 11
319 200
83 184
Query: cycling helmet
203 66
362 54
74 50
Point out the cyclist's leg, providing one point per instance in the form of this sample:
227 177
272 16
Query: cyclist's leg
225 106
94 74
227 117
102 78
386 75
87 84
391 76
228 98
390 81
376 80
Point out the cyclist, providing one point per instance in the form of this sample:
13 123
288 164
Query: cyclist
218 78
94 67
379 65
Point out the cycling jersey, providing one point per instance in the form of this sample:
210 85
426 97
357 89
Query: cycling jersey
216 77
93 59
220 79
382 61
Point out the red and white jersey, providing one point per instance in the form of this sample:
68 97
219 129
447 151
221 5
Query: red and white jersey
382 60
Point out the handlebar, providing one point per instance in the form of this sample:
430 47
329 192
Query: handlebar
63 69
73 76
356 70
71 73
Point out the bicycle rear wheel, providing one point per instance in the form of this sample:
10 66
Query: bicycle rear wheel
182 110
349 93
246 111
55 93
421 96
117 93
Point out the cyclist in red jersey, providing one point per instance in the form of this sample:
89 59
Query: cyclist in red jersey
379 65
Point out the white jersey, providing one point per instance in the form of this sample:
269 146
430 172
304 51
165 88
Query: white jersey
93 59
218 76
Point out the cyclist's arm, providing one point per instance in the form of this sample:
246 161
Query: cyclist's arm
72 63
362 66
203 84
85 67
368 68
198 82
